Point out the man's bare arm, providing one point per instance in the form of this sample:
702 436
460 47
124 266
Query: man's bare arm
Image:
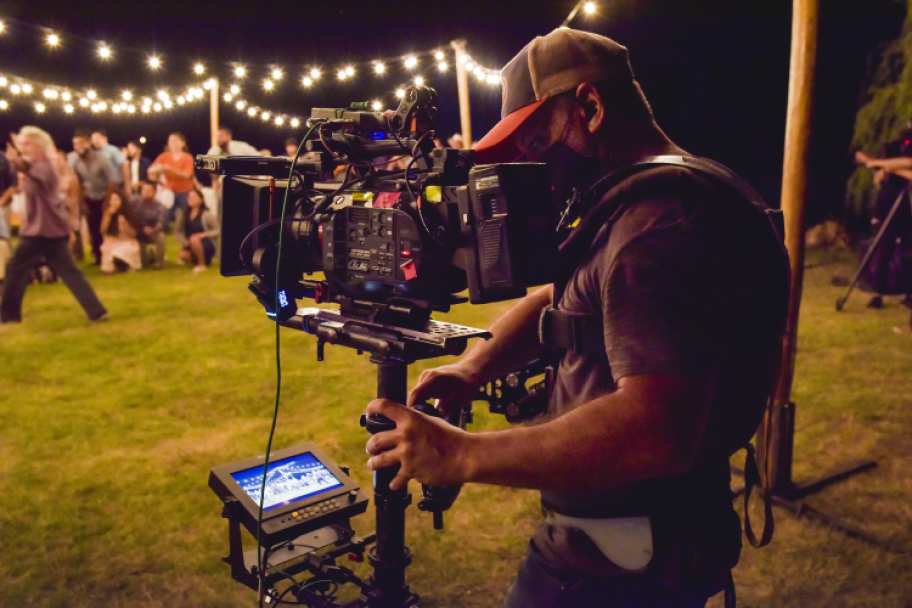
7 196
890 164
650 426
515 338
514 343
127 181
177 172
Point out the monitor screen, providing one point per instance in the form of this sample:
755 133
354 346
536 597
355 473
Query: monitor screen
288 480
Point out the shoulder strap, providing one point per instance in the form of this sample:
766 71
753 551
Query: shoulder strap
596 213
563 331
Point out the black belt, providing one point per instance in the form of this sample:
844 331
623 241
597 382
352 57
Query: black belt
580 333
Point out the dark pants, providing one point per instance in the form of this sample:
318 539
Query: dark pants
56 253
180 204
157 241
93 219
542 584
900 228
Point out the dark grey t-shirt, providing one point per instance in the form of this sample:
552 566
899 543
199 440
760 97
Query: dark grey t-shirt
95 173
682 280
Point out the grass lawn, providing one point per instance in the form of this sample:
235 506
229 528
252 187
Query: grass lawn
109 432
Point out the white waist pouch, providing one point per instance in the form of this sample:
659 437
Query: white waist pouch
626 541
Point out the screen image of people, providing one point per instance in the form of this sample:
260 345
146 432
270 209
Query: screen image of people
288 480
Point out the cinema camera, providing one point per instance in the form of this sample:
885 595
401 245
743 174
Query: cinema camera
393 246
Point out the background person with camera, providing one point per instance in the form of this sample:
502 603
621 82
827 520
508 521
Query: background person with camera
892 175
686 289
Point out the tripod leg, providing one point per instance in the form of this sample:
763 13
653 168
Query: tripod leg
870 252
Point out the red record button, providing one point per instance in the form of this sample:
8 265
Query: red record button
406 253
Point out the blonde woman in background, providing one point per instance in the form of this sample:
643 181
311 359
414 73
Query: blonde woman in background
46 230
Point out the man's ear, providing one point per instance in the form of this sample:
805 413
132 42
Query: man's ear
594 107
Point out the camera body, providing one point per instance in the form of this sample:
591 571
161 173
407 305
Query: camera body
419 235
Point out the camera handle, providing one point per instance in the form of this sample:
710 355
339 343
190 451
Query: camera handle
389 556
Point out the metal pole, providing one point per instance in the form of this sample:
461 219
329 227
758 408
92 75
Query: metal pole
462 85
572 14
390 556
794 189
213 111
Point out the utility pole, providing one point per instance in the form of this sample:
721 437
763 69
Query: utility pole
462 85
213 110
794 190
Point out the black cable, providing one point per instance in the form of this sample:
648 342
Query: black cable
393 133
275 413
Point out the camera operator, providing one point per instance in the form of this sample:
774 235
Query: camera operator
685 290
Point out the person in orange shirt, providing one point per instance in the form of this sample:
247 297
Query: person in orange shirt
175 165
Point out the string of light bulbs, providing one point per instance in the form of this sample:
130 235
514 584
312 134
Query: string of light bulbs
15 90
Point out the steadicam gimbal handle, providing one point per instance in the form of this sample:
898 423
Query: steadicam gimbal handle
437 499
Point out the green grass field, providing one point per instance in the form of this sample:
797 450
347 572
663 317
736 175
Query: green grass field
109 432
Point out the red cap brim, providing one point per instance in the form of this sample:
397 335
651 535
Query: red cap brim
498 145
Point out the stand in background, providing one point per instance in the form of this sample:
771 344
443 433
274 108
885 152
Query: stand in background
875 244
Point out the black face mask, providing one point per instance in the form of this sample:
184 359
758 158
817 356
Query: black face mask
568 170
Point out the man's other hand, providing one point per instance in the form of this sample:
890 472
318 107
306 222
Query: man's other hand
427 449
452 385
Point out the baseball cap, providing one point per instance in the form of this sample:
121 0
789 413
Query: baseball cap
548 66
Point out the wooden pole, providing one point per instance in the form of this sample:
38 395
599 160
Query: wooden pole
794 190
462 84
213 111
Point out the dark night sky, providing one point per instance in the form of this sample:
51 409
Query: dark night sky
715 71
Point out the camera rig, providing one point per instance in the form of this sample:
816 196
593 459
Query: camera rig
393 245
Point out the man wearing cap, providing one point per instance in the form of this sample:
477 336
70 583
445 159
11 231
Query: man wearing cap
632 456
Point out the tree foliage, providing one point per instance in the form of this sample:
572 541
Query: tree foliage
885 113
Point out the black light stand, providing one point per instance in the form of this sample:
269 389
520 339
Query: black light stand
865 260
789 495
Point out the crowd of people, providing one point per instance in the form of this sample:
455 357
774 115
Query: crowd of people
116 201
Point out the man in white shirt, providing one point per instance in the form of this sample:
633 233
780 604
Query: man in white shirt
231 147
228 147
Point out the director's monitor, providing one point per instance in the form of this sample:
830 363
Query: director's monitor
305 491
